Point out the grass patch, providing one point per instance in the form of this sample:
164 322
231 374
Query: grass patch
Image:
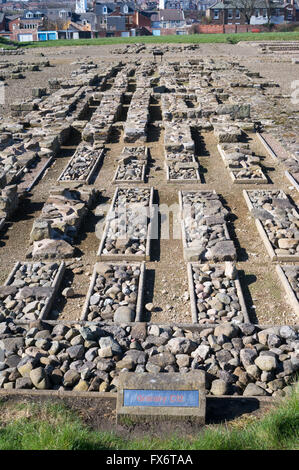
51 426
171 39
7 44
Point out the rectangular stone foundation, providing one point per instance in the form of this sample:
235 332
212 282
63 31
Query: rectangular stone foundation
193 253
263 234
290 294
232 172
89 173
123 256
193 300
52 290
140 289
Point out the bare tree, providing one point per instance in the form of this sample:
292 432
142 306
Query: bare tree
247 7
269 6
49 25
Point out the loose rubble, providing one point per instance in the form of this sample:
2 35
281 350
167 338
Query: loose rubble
238 360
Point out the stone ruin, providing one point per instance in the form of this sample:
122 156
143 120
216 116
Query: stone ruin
196 95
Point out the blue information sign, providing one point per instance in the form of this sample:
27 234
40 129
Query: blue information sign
178 398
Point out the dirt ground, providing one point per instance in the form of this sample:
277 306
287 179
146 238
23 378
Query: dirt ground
166 274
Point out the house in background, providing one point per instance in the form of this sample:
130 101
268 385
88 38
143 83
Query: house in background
103 10
223 13
23 29
168 22
120 19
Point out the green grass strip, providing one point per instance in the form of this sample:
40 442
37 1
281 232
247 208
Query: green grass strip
54 427
171 39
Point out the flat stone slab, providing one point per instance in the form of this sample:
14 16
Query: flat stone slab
164 396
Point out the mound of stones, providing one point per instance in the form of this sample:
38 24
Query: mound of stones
138 48
177 136
53 232
16 158
28 291
11 51
129 49
183 171
238 360
205 234
175 107
19 67
180 157
226 131
114 291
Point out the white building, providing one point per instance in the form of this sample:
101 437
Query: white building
81 6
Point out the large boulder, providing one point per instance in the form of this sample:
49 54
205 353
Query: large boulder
253 390
48 249
181 345
219 387
266 363
124 314
39 378
226 329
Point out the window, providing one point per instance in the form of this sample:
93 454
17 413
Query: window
230 14
277 12
264 13
216 14
256 13
126 9
238 15
105 11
